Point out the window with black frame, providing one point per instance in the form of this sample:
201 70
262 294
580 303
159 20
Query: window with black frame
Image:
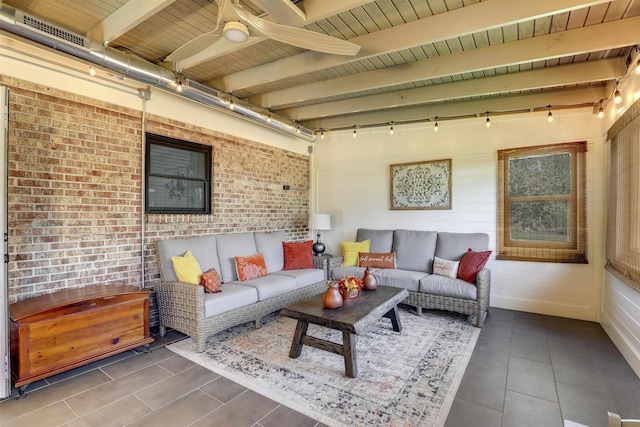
177 176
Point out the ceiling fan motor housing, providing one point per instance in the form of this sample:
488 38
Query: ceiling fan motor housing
235 31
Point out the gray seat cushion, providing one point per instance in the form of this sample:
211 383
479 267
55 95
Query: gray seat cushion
407 279
230 246
304 277
270 246
453 246
271 285
447 287
414 249
381 240
203 248
232 296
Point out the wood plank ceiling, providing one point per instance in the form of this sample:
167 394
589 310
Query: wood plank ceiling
419 59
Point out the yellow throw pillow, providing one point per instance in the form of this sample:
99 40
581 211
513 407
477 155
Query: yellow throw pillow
187 268
350 251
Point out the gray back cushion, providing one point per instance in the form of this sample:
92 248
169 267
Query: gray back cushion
414 249
202 247
270 245
453 246
381 240
231 245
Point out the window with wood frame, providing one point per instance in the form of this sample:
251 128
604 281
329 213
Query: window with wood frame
541 203
623 229
177 176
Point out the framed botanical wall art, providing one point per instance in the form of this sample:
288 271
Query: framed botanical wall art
421 185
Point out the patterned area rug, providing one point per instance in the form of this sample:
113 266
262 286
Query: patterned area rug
404 379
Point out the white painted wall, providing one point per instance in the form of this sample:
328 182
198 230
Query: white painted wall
352 184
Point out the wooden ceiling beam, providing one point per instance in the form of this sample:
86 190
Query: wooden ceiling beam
455 23
125 18
594 38
543 78
584 95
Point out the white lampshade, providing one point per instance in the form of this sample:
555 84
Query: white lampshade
319 221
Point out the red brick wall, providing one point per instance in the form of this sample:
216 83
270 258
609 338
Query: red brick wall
75 191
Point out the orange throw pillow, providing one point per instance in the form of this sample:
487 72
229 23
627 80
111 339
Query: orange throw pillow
471 263
210 280
377 260
297 255
250 267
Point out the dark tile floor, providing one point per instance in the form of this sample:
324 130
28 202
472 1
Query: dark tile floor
526 370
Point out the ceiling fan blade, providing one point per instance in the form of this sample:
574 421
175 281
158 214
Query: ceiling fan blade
297 36
203 41
194 46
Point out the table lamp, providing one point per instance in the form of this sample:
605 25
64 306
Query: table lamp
319 222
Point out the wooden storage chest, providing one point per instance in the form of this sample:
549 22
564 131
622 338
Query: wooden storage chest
56 332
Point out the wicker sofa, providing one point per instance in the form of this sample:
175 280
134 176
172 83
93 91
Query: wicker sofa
415 252
187 308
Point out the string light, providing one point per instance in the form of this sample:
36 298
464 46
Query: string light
391 129
617 97
298 129
92 71
178 82
600 111
231 105
321 134
269 116
436 123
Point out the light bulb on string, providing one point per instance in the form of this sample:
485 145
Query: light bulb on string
391 129
488 122
269 116
550 115
354 131
617 97
231 104
321 134
92 71
600 111
435 127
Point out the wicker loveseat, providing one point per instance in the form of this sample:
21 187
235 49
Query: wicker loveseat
187 308
415 252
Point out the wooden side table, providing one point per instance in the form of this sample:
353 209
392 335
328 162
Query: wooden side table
326 262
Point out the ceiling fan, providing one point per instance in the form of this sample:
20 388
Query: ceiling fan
237 25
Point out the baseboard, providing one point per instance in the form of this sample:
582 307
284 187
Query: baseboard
618 335
548 308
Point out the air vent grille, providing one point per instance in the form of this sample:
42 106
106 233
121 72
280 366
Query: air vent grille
52 30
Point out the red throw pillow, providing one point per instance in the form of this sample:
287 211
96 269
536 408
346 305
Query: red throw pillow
210 280
381 260
297 255
471 263
250 267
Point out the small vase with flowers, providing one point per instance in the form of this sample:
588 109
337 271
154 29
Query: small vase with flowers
350 287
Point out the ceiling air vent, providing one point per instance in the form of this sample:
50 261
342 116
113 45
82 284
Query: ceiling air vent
52 30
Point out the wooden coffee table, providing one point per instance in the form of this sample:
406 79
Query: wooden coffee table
353 318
